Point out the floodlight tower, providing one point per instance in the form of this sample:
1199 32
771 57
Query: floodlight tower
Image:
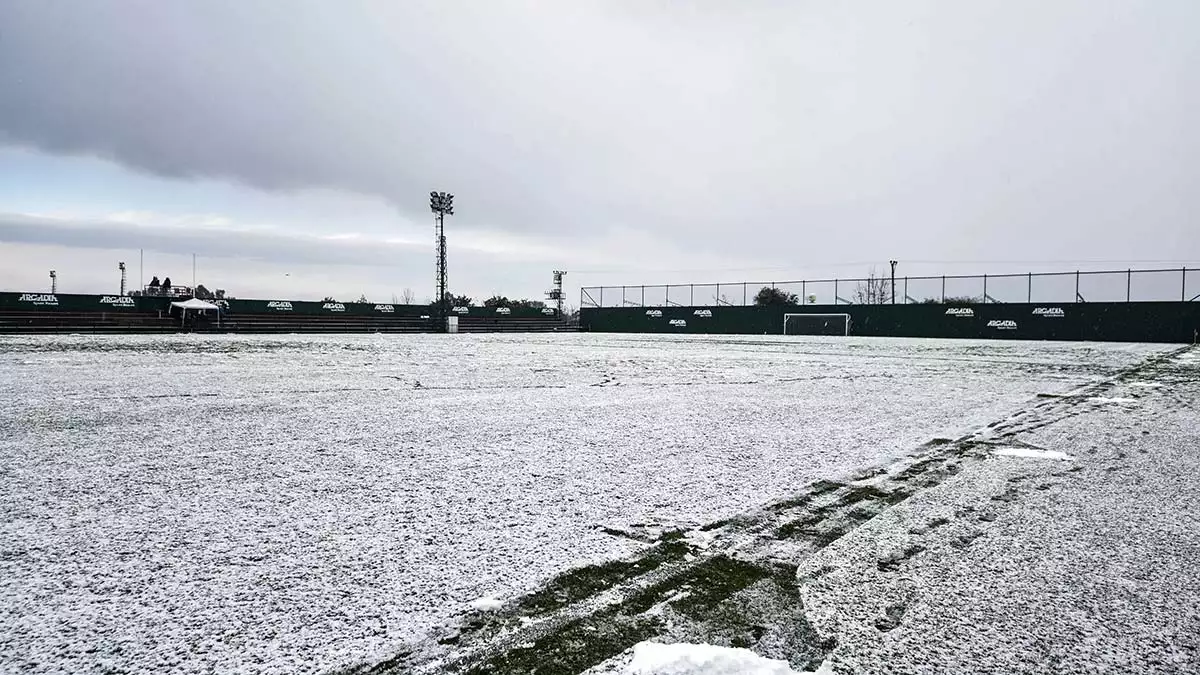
442 205
53 282
121 266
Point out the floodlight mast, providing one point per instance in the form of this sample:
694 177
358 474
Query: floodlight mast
442 205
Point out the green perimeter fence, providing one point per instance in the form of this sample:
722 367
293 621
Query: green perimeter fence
1130 285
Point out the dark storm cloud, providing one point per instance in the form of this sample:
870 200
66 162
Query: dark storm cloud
831 131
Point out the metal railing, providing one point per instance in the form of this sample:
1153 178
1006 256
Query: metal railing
1130 285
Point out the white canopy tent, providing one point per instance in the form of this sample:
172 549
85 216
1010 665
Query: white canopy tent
196 305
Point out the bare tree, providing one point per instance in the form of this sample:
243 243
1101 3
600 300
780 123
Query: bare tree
874 290
407 297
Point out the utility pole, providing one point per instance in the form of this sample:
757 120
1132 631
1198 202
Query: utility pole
893 262
442 205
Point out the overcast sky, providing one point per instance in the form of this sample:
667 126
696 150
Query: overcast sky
292 146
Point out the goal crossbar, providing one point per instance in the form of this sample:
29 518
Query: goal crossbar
844 317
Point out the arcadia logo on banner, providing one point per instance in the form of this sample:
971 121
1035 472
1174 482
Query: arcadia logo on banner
1002 324
118 301
549 311
37 299
334 306
654 313
965 312
386 309
703 313
680 323
280 306
503 310
461 310
1056 312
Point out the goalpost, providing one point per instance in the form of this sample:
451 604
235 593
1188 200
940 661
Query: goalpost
816 324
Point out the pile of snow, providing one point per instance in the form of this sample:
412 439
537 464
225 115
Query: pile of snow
1031 452
652 658
1114 399
486 604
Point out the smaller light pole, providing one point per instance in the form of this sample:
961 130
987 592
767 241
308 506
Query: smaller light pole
121 266
556 292
893 263
53 282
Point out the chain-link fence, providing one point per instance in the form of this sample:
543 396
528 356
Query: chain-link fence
1179 284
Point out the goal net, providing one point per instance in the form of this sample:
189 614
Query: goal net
816 324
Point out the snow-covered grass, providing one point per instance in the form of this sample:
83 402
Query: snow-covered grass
1032 453
291 504
652 658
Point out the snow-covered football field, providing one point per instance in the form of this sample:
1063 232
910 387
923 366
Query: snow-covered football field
298 504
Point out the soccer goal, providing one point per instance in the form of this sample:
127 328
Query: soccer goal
816 324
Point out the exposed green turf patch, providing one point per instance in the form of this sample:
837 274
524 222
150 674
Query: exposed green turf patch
574 647
824 487
713 581
583 643
584 582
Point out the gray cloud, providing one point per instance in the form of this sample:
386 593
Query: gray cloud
248 263
280 248
986 130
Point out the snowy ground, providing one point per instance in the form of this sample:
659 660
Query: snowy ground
299 504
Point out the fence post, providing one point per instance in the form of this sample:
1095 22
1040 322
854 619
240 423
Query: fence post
1076 285
835 293
692 294
601 296
718 297
1029 292
667 296
985 289
1128 283
1183 284
905 290
643 296
745 299
623 303
943 289
803 292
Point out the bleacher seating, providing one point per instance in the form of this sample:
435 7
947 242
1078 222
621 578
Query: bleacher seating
491 324
301 323
26 321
